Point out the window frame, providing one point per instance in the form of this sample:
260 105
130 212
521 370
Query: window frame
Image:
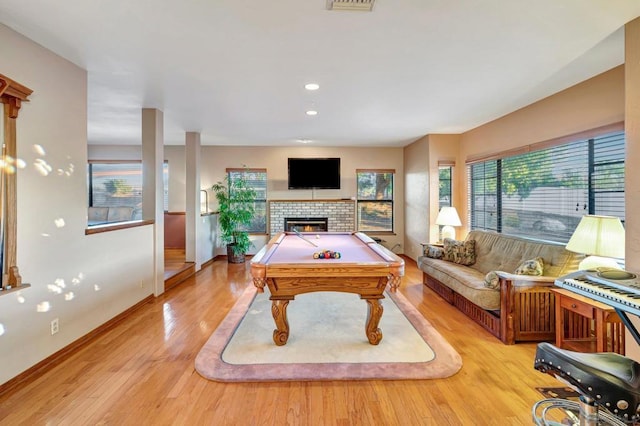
390 201
446 182
229 171
110 226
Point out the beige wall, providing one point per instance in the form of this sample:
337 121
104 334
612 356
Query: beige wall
632 133
443 148
632 172
417 196
597 102
421 188
594 103
216 159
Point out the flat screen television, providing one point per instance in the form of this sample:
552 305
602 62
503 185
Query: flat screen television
314 173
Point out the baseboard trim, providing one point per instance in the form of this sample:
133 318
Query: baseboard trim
54 359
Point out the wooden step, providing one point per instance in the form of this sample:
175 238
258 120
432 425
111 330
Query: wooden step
178 273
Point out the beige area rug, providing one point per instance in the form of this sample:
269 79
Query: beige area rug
327 341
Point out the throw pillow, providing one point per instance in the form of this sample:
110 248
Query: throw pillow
491 280
433 252
462 252
531 267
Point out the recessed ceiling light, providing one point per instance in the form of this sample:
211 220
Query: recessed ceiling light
312 86
303 140
312 112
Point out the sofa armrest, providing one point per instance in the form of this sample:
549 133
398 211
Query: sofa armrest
526 280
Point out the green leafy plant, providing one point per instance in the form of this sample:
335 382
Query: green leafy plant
236 209
117 187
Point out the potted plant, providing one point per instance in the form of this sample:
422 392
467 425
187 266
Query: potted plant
235 211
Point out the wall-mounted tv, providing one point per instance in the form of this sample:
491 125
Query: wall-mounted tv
314 173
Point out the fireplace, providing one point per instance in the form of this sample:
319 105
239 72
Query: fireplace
306 224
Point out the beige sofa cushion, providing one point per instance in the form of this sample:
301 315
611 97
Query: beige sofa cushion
102 215
464 280
119 214
98 214
498 252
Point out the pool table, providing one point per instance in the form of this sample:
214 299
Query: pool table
288 267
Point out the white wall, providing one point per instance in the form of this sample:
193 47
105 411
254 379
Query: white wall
207 238
103 271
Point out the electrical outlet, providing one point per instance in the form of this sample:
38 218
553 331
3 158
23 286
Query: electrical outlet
55 326
141 283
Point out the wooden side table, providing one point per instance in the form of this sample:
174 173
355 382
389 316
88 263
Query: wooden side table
586 325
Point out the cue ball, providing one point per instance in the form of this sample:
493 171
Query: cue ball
317 237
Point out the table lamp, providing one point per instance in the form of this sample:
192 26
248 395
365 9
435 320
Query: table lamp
601 238
448 217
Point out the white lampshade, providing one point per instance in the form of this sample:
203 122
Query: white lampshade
599 237
448 217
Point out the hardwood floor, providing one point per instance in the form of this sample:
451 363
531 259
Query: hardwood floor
141 372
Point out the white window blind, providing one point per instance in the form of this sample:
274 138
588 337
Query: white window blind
543 194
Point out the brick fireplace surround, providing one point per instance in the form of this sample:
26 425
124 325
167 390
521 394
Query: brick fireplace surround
341 214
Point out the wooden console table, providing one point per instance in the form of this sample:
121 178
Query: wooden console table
585 325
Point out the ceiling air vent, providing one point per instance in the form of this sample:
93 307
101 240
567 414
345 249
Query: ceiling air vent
361 5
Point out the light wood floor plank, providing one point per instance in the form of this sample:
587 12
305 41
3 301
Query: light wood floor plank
141 372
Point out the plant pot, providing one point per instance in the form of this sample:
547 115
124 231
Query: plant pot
232 257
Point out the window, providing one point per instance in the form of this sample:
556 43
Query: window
483 189
544 193
118 184
444 187
375 200
257 179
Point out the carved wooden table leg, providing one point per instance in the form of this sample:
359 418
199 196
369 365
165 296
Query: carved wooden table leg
374 313
279 312
394 282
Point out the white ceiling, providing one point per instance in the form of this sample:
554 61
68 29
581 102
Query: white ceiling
234 70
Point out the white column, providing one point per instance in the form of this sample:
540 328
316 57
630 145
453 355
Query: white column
153 187
192 184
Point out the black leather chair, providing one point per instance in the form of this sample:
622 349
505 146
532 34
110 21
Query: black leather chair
606 380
